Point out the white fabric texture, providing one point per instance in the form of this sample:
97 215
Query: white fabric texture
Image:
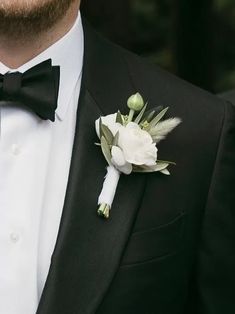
109 186
35 158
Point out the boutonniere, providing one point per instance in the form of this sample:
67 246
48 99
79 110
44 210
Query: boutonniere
128 143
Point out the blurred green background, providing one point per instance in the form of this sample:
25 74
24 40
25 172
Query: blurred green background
195 39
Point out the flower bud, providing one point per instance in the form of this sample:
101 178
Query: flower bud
135 102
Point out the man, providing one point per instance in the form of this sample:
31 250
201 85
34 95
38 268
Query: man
168 246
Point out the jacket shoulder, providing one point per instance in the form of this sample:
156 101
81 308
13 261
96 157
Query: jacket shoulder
118 67
228 95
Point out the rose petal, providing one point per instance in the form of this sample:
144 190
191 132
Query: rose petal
126 169
110 122
97 127
137 145
119 161
117 156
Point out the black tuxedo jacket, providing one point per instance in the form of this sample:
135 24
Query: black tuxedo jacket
169 245
229 95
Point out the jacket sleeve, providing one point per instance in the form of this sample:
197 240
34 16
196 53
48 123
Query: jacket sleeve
214 284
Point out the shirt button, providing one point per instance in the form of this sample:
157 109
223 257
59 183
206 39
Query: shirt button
14 237
15 149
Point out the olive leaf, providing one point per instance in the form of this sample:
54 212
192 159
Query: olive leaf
119 118
165 171
157 167
115 140
157 109
140 115
107 134
166 162
106 150
149 117
146 116
157 118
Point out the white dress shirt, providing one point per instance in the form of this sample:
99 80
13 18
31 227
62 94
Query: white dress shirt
35 159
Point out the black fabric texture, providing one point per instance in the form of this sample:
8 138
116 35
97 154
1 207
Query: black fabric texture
168 247
36 89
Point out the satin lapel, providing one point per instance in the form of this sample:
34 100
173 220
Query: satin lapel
88 248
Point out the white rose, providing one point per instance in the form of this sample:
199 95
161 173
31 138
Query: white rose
110 122
118 160
135 146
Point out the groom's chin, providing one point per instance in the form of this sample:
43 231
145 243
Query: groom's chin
18 6
23 18
27 8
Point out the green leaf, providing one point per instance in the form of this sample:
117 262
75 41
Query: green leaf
165 171
140 115
115 140
147 169
119 118
166 162
107 134
141 170
100 123
149 117
156 109
160 166
157 118
106 150
100 127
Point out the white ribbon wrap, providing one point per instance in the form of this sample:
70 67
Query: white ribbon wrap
109 187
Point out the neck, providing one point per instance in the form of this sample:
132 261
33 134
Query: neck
16 53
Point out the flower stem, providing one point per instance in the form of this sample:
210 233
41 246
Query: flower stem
107 194
131 115
104 210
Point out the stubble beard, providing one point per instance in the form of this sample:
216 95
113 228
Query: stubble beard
24 20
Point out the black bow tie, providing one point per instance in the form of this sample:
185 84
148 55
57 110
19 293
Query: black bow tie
36 89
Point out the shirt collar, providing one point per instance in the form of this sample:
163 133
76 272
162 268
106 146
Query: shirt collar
67 52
